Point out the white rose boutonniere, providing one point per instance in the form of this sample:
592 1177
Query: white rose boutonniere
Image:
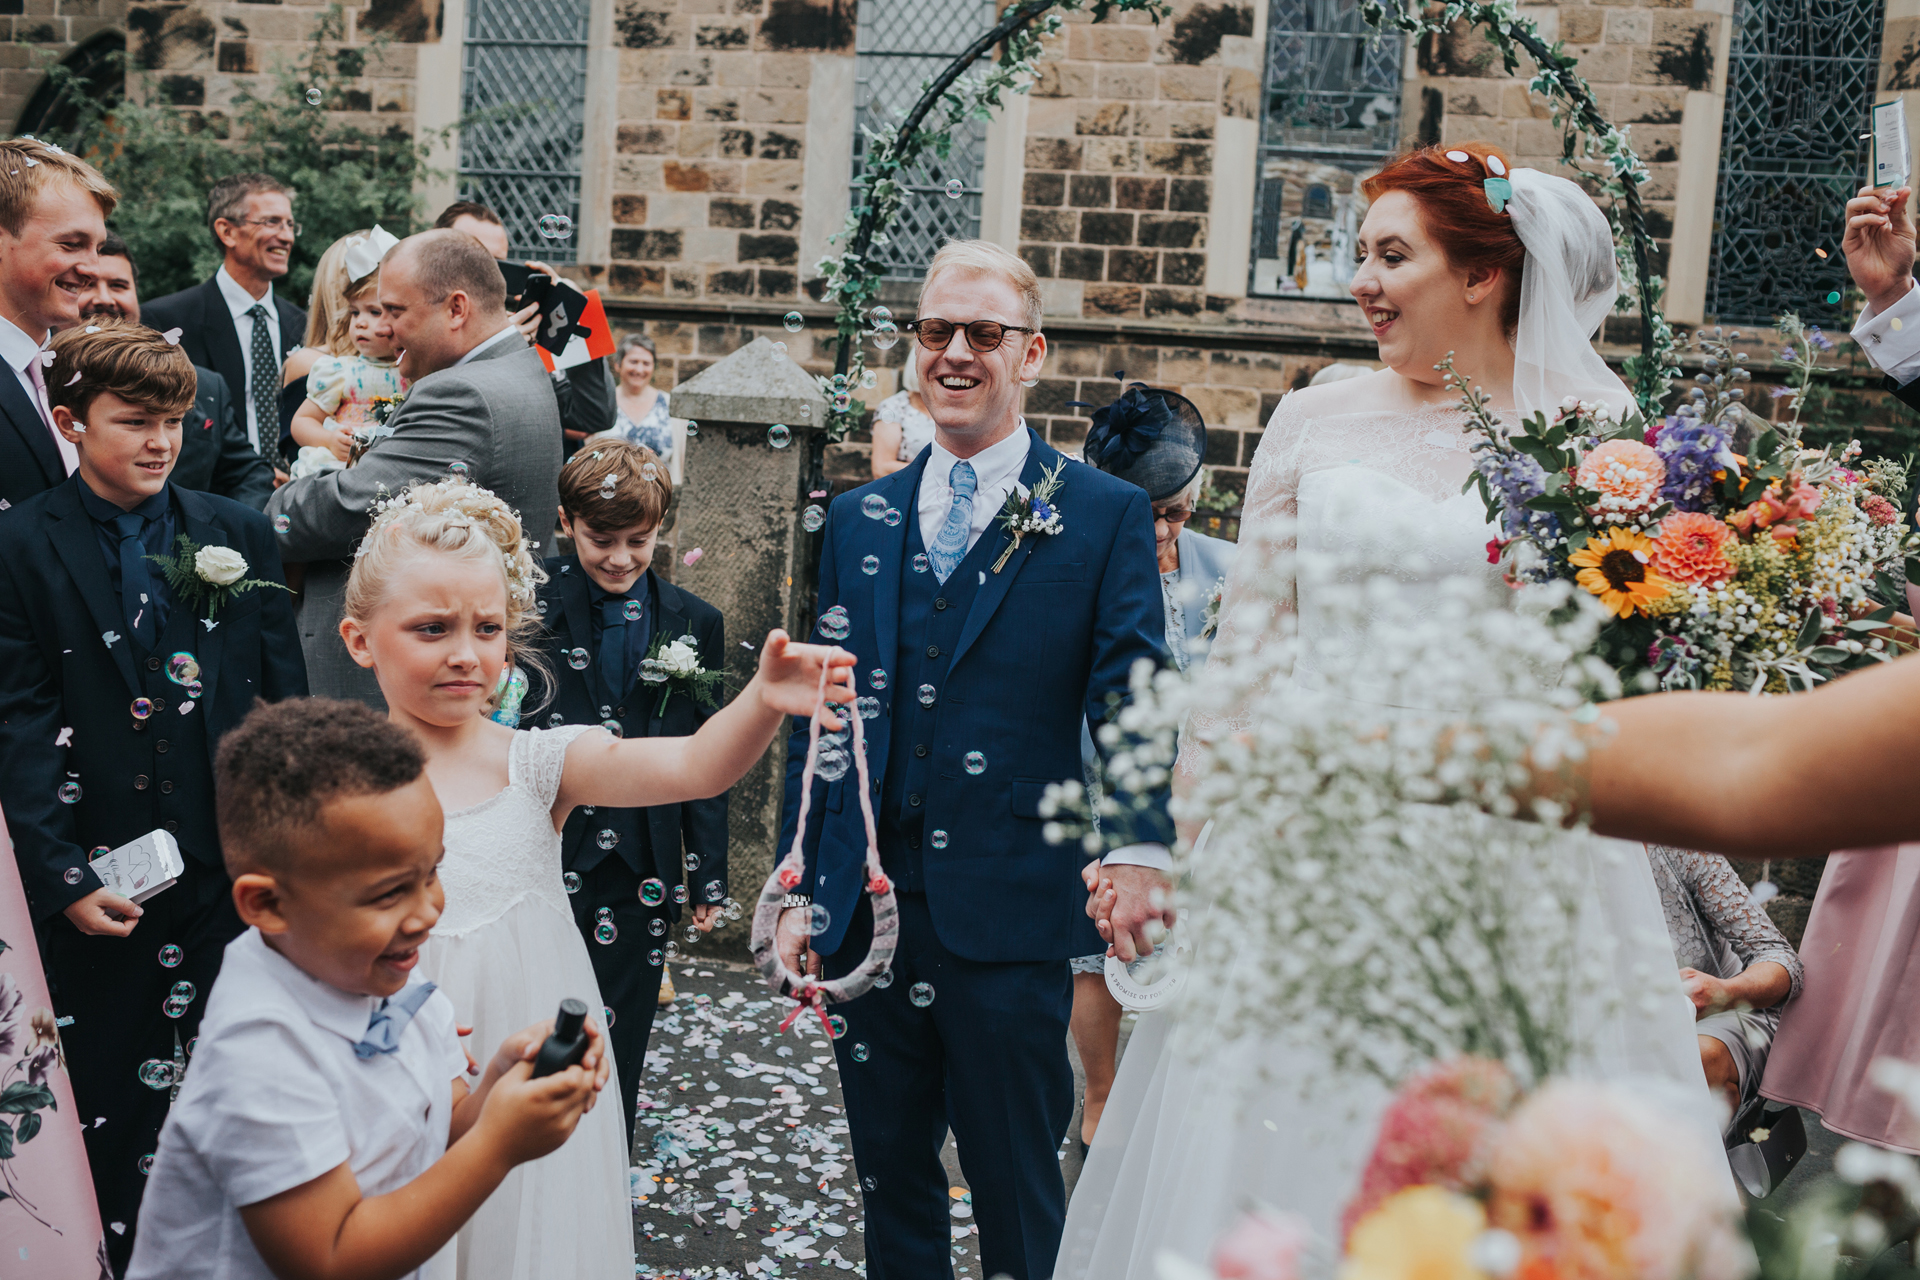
675 666
207 578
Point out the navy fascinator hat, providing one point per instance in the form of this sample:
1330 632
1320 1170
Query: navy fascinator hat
1149 437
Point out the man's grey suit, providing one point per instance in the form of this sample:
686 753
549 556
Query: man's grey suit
496 413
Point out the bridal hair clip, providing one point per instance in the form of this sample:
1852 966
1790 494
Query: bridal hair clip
364 253
807 991
1499 190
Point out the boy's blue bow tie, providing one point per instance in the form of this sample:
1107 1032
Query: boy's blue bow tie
390 1019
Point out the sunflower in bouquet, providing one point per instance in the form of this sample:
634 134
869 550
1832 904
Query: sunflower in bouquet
1726 555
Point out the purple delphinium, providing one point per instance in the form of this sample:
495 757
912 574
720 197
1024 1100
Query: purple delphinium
1514 478
1692 450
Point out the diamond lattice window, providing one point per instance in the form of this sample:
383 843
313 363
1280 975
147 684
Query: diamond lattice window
902 44
1331 115
524 94
1800 85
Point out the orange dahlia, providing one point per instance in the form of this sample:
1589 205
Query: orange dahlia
1690 548
1613 565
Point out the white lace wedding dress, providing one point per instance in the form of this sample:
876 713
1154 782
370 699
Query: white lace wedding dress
1201 1126
506 952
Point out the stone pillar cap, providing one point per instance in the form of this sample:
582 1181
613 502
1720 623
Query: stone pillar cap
757 384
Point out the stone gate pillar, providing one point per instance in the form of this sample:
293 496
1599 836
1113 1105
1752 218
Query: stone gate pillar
739 505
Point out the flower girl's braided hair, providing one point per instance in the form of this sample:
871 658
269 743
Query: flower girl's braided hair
458 518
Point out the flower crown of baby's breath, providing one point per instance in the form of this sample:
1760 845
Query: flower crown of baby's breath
470 501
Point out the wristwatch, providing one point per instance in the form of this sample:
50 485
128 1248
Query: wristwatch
793 900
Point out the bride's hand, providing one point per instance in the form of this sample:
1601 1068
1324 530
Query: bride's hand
1879 244
789 676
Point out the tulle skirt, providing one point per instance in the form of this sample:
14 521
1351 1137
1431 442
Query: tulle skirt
567 1213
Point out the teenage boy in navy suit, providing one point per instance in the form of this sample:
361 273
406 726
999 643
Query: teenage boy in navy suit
605 612
118 686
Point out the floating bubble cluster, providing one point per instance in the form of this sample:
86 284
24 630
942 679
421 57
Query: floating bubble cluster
556 226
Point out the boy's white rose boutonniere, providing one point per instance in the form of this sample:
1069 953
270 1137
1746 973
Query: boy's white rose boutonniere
207 578
675 666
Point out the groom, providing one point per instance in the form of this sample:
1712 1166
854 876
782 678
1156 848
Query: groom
985 665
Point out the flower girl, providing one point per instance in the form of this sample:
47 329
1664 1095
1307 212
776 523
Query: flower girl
440 599
357 371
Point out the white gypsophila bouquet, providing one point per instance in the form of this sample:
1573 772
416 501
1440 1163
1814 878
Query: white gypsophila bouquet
1356 890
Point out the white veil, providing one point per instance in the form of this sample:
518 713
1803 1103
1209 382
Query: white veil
1566 290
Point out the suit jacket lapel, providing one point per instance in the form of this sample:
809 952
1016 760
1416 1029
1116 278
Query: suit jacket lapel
222 337
1040 455
902 492
576 608
197 522
78 547
17 407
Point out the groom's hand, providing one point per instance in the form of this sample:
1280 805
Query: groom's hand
792 939
1125 903
1879 244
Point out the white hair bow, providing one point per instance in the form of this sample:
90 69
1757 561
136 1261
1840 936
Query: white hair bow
365 252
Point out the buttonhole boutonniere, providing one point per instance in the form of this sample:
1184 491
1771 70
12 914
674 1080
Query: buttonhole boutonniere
674 665
208 578
1032 512
1210 618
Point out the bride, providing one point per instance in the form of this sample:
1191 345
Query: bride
1511 273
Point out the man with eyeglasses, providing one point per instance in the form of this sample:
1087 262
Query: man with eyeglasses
234 324
983 655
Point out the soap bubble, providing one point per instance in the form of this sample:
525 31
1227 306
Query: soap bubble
713 891
813 518
861 1053
892 518
631 610
920 994
609 486
877 678
976 762
657 927
870 1182
72 875
834 624
556 226
171 956
679 894
313 96
183 990
883 979
607 1013
880 313
174 1007
920 563
927 695
839 382
607 838
870 566
577 659
691 861
831 764
873 506
69 793
614 727
183 669
869 379
156 1074
939 839
836 1026
793 321
555 720
571 881
779 436
954 188
605 932
842 402
652 892
145 1164
885 334
460 470
655 959
693 934
693 428
868 708
781 347
282 523
652 671
819 920
141 708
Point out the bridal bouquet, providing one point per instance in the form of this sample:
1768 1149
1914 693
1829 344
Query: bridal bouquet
1729 556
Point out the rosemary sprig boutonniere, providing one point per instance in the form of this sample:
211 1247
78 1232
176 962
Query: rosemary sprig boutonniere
207 578
1033 512
675 666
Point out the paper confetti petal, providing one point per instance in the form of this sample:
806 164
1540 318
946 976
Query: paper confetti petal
173 336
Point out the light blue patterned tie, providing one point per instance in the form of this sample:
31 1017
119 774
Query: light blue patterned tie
950 545
390 1019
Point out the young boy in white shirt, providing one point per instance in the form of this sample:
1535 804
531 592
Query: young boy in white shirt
326 1128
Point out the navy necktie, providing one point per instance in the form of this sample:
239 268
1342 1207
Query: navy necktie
390 1019
613 643
265 389
136 580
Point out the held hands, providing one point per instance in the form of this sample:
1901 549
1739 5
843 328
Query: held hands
705 916
1879 244
793 941
1708 993
789 676
100 913
1131 907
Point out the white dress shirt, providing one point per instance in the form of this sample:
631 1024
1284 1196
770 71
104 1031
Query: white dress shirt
19 351
239 302
483 344
275 1097
1891 338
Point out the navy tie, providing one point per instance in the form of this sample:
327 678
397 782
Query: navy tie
613 644
390 1019
136 580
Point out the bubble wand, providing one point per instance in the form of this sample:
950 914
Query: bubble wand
807 991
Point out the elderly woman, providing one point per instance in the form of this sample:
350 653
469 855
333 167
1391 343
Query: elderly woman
1156 440
641 408
901 426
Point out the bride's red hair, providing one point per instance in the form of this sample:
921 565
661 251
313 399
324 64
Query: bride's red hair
1454 211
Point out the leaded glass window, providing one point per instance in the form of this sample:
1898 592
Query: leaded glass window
1330 116
900 45
524 95
1800 86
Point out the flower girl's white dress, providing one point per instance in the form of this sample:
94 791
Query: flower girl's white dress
1201 1124
506 952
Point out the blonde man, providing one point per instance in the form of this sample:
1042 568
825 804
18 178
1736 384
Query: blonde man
985 657
53 216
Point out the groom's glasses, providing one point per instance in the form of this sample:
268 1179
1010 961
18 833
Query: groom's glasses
982 335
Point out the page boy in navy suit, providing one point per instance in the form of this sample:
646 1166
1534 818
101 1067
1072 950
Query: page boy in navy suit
605 613
119 682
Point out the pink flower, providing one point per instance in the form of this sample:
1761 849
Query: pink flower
1774 508
1690 548
1432 1131
1879 510
1261 1246
1625 473
1493 550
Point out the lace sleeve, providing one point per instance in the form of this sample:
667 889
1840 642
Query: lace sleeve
539 758
1731 912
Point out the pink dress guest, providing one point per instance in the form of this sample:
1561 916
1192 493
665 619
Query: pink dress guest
49 1225
1862 956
